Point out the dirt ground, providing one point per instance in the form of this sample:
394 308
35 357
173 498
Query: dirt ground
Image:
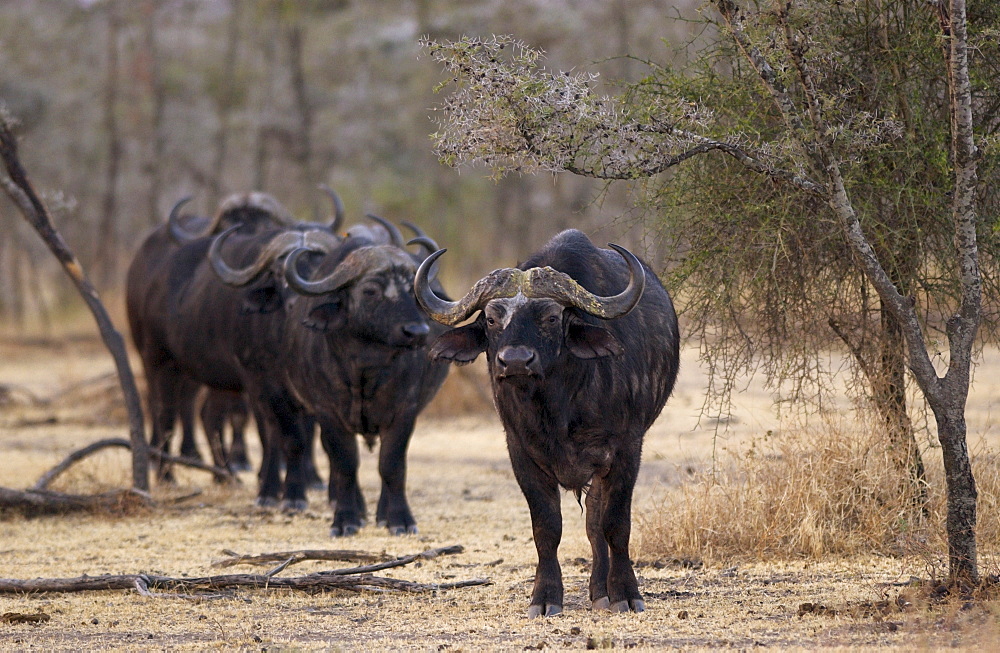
462 492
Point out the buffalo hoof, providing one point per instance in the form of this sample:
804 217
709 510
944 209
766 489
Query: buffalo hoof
346 530
548 610
241 466
603 603
266 502
294 506
635 605
403 530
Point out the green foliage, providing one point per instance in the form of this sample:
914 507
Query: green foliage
746 132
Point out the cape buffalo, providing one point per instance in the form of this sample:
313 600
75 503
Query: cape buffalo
582 348
182 317
361 366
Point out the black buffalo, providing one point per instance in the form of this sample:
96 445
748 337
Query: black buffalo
361 367
171 394
582 347
188 326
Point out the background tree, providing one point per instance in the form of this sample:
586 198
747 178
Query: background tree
862 211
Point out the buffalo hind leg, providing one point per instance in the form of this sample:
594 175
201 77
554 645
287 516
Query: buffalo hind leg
393 509
615 524
599 548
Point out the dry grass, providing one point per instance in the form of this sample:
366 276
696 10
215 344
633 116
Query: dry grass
462 492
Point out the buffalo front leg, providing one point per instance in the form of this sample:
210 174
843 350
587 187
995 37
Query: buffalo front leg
346 500
542 494
393 509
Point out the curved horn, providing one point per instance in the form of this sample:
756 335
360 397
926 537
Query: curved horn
426 242
395 235
177 232
320 240
567 290
338 208
535 283
431 247
499 283
277 246
417 231
370 258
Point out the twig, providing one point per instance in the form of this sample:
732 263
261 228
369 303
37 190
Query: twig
20 190
281 567
398 562
270 558
49 476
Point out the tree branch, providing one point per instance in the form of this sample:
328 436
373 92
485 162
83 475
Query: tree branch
20 190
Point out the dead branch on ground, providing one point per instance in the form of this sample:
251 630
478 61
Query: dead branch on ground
46 502
356 579
341 555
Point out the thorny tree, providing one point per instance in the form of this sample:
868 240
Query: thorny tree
512 115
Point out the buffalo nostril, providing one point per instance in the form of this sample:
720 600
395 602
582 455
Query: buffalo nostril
416 329
515 358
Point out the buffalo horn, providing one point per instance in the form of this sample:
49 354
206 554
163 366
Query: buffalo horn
395 235
177 232
533 283
361 261
562 288
338 208
277 246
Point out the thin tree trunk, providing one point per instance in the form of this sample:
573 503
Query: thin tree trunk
300 91
20 190
158 97
107 239
889 392
962 495
226 102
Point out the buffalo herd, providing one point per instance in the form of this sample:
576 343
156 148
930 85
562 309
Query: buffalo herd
312 327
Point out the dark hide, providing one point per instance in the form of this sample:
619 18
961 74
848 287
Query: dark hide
360 363
191 329
576 395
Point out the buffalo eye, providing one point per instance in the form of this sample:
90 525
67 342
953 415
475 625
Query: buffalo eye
552 319
491 321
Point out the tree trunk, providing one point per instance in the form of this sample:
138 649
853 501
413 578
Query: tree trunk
158 99
961 520
302 151
107 239
889 395
226 102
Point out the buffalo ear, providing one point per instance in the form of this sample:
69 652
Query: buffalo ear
265 299
588 341
460 346
325 317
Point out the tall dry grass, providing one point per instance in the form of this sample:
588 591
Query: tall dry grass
810 492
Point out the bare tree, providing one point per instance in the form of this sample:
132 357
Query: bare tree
19 189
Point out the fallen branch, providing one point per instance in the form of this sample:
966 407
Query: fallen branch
75 457
48 502
336 579
398 562
310 582
299 556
